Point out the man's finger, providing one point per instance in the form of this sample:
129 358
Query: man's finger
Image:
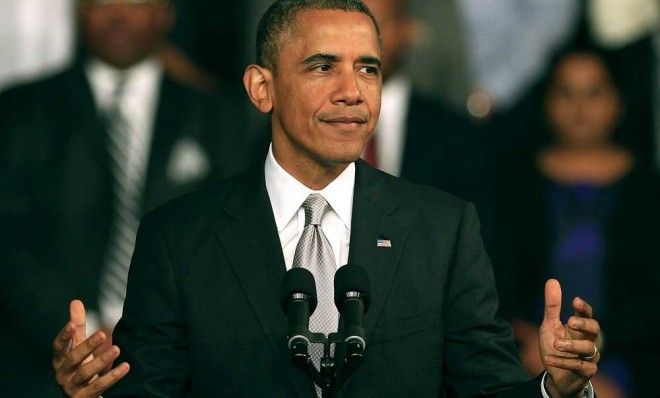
582 308
584 348
91 369
61 344
77 315
79 354
584 325
106 381
586 369
552 300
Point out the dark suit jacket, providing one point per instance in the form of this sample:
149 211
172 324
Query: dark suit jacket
631 275
202 313
55 210
446 150
442 148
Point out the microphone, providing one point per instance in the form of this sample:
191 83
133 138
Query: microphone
352 291
298 300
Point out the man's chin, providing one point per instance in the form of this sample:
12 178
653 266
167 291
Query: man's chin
342 158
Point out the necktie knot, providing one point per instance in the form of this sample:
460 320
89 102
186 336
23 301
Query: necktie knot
315 207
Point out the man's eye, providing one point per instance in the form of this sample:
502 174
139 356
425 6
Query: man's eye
323 67
370 70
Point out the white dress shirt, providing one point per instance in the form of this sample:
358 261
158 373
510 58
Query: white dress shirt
391 129
286 198
138 103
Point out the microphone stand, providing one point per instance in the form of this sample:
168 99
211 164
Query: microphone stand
327 368
326 378
301 359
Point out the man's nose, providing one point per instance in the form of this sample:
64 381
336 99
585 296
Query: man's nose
348 89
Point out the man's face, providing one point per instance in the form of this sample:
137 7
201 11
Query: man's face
326 91
397 29
123 33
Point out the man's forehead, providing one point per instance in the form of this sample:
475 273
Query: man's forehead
318 31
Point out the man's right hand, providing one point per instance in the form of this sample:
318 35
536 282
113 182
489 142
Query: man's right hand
77 370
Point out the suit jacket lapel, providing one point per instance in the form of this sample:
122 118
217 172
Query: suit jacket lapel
166 129
373 209
81 180
249 235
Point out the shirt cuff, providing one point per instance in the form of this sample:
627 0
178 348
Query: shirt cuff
588 391
92 322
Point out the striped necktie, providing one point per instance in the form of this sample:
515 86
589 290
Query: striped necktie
314 252
127 184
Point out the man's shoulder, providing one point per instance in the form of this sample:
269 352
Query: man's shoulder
47 85
197 209
416 198
225 95
431 109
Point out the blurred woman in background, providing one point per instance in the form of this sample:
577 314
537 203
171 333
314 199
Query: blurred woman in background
586 214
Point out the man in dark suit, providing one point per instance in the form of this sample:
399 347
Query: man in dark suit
57 187
419 138
202 315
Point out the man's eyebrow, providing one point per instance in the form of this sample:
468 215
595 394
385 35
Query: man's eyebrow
320 57
369 60
331 58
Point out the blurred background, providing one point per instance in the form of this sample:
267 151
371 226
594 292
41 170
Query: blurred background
544 113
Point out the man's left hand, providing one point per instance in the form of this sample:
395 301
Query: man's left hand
569 352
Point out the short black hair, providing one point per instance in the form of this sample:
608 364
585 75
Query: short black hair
281 17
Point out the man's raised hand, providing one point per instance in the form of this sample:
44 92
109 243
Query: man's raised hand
569 352
77 370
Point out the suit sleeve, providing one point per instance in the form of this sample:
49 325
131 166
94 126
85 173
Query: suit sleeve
480 355
151 332
34 311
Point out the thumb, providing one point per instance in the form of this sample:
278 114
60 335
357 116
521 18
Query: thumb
552 300
77 314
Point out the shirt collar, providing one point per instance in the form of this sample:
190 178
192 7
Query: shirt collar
103 79
287 194
394 101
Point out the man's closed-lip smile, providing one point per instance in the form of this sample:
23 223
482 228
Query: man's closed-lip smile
345 122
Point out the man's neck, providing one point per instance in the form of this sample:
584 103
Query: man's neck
147 62
313 174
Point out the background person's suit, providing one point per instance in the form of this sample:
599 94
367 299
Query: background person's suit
203 312
55 203
446 150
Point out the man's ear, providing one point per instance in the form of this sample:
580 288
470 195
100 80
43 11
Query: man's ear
165 17
257 81
412 30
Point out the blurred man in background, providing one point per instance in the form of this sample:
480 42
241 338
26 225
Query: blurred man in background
419 138
82 155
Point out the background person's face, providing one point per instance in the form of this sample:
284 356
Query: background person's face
122 34
326 90
397 28
582 104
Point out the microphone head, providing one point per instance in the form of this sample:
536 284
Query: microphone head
298 280
352 278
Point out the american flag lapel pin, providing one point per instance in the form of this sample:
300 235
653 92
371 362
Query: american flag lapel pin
382 242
